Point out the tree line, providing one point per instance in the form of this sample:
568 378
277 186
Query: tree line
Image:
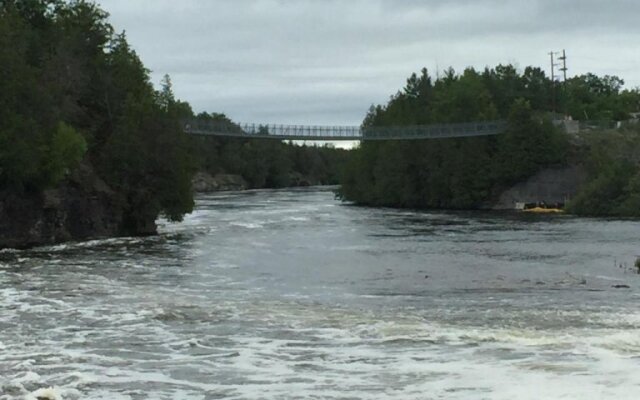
612 159
266 163
469 173
73 91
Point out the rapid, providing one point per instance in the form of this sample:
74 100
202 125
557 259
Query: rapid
292 294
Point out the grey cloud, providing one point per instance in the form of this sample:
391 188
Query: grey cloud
326 61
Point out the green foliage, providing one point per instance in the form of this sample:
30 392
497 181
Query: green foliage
457 173
466 173
148 156
267 163
67 149
629 204
71 89
528 145
613 188
589 97
603 194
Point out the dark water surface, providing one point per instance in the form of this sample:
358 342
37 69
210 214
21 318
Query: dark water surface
290 294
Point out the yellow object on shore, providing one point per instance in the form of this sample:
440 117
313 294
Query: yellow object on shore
540 210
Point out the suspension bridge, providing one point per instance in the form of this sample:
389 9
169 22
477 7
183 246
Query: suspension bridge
335 133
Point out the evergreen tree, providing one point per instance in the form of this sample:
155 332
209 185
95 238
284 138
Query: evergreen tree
72 91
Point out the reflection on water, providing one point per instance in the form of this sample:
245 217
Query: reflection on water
290 294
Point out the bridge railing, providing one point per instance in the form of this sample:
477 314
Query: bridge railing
434 131
274 131
315 132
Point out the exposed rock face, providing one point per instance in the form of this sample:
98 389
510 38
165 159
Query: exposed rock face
296 179
203 182
552 186
82 207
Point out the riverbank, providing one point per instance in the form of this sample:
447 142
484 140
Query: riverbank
556 185
203 182
81 207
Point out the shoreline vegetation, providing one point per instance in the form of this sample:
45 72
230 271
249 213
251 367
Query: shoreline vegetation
266 163
472 173
90 149
87 146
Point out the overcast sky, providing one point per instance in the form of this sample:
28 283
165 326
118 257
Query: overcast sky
325 61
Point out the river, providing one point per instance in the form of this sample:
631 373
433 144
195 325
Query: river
291 294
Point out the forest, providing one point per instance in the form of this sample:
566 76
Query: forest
612 159
469 173
73 91
75 95
267 163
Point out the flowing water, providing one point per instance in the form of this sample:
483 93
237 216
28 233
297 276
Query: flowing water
291 294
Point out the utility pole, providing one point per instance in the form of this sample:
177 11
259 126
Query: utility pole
553 83
564 66
564 81
563 58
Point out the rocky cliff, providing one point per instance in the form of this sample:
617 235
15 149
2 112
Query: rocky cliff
85 207
204 182
551 186
82 207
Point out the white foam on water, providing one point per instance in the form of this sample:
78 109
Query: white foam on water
146 325
45 394
448 362
247 225
297 219
368 359
438 370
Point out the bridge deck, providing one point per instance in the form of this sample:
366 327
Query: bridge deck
335 133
